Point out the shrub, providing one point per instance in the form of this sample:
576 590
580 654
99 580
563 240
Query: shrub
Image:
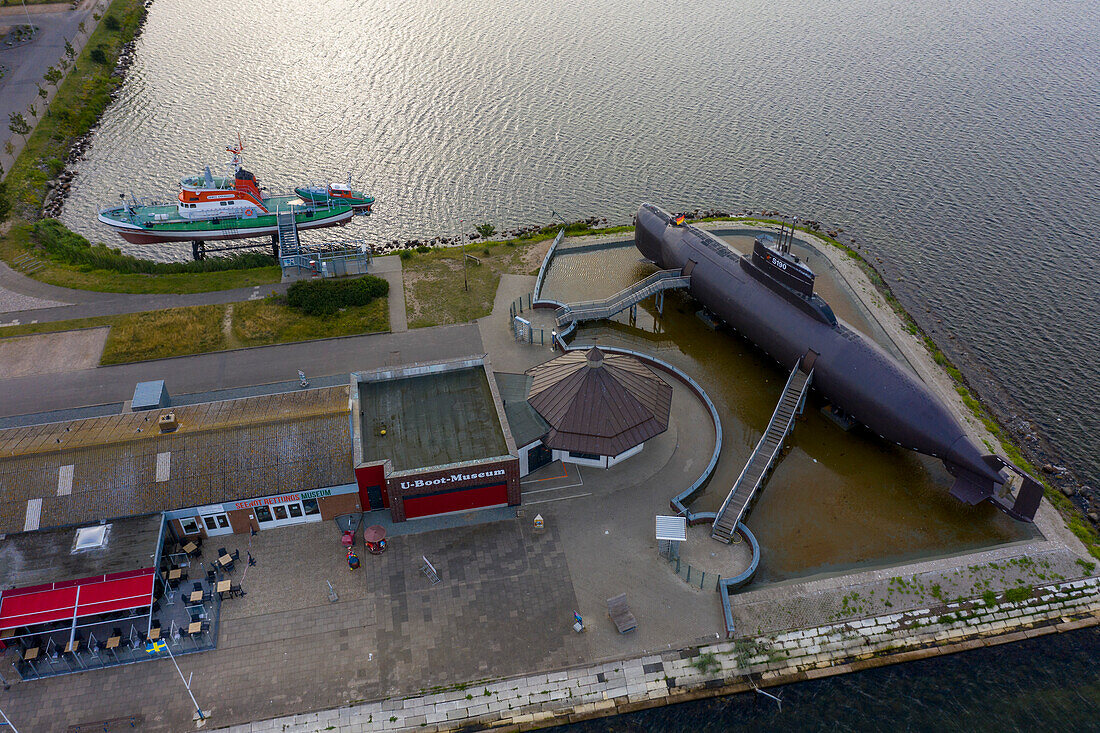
325 297
60 244
98 55
112 23
405 254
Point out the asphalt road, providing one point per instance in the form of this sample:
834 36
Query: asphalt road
27 63
238 368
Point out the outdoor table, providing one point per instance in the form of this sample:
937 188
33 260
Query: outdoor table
154 633
225 561
194 627
7 633
223 587
196 596
72 646
190 548
175 573
30 654
113 642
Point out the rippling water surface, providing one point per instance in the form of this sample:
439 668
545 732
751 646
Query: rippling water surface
958 140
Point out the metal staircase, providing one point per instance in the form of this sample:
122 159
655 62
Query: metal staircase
288 233
763 457
592 310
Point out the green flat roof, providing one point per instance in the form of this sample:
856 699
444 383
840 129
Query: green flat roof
431 419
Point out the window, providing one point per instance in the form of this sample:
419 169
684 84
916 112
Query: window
91 538
311 507
190 525
587 456
211 524
295 510
263 514
280 511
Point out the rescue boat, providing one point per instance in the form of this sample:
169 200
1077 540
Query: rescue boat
210 208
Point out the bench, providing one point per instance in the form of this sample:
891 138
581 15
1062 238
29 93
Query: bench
619 611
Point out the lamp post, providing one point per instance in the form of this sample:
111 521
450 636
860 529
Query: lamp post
8 722
30 27
465 277
155 646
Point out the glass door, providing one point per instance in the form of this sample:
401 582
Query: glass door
216 524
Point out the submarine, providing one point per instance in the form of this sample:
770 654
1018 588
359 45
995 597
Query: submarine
769 298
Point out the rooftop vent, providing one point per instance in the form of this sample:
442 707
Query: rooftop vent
167 422
91 538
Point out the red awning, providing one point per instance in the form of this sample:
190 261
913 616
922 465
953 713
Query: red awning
74 599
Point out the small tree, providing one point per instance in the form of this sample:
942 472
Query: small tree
112 23
80 26
485 229
33 110
52 76
9 148
18 125
63 63
41 91
69 50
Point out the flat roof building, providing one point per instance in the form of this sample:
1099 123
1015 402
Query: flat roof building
432 438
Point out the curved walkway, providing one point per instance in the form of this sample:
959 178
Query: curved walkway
677 502
24 300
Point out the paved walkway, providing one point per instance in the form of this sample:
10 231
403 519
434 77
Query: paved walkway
534 700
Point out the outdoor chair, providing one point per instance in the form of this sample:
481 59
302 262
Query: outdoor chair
235 555
196 586
222 551
211 575
619 611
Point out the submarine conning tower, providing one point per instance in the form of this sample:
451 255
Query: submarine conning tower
768 297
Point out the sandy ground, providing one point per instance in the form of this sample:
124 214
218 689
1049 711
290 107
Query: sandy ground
52 353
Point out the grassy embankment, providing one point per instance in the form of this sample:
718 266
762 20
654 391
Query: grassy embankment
200 329
1077 523
433 277
80 100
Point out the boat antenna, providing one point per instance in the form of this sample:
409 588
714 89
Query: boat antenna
236 152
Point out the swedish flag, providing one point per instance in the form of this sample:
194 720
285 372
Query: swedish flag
155 647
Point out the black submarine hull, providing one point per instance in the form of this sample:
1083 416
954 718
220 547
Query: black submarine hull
849 370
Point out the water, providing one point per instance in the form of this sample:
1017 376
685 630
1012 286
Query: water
957 140
837 500
1038 684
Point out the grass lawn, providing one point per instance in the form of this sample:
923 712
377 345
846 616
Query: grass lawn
201 329
164 333
260 322
434 292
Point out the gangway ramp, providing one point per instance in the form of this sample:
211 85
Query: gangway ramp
763 457
592 310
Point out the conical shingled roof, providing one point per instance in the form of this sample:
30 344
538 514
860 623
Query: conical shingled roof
599 403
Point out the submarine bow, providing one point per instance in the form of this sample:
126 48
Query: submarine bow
759 296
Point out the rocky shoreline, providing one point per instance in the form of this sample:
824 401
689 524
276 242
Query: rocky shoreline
57 189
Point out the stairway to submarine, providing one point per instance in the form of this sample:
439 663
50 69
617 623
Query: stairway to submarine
763 458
